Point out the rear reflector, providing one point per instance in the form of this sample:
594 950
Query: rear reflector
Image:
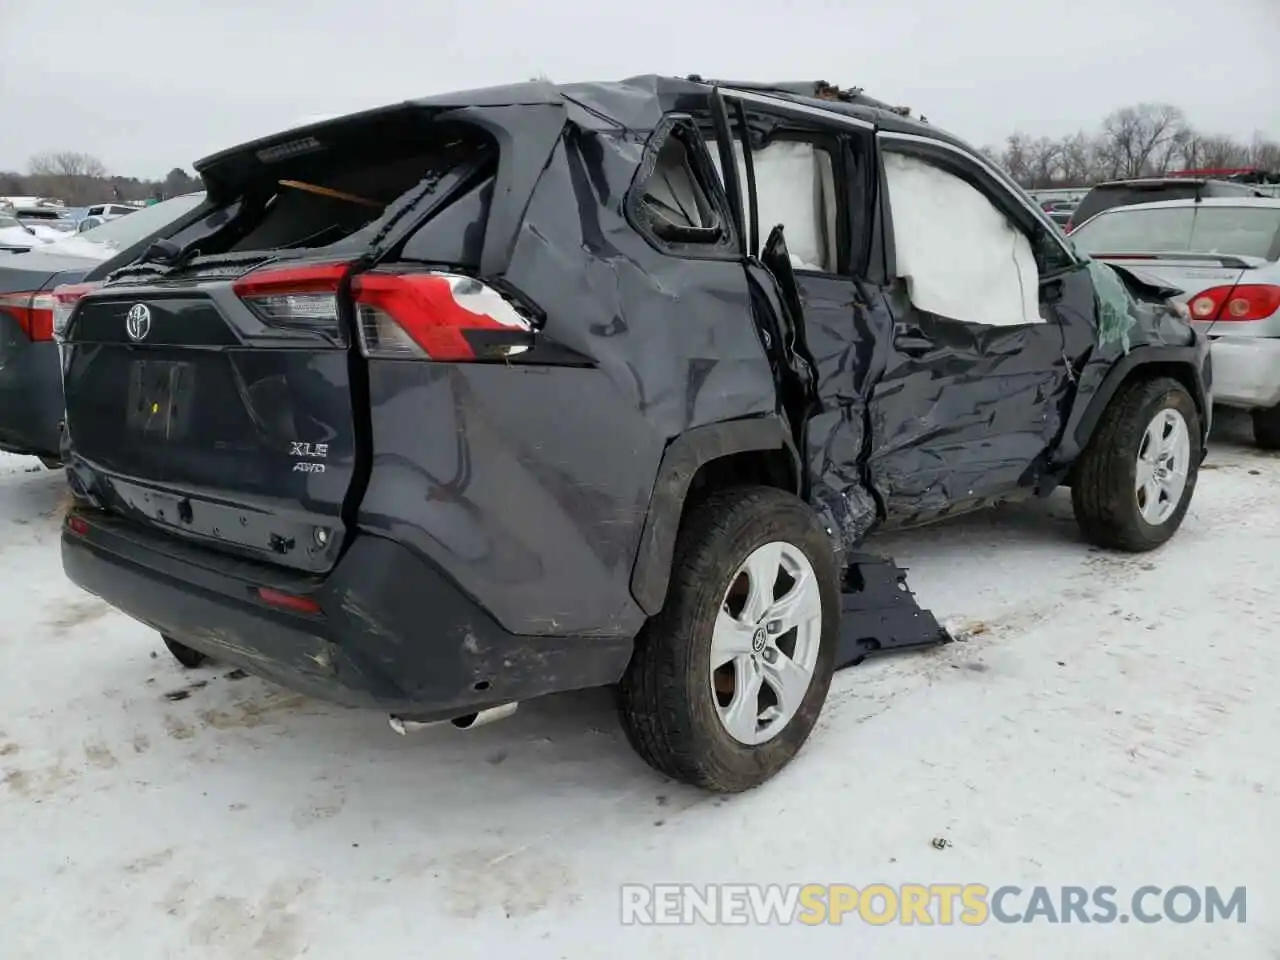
288 601
437 316
33 311
65 298
77 525
1240 303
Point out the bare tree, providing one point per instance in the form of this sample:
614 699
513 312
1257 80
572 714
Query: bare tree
67 163
68 175
1017 157
1079 159
1264 154
1044 162
1215 153
1135 140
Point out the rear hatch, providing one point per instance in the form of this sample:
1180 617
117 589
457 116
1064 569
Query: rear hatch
213 390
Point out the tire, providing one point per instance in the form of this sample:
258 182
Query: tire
1266 427
186 656
670 711
1104 493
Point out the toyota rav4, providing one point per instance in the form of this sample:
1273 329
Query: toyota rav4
443 406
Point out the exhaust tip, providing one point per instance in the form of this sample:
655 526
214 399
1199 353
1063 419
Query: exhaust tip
472 720
468 721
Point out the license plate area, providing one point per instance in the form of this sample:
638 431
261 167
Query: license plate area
160 394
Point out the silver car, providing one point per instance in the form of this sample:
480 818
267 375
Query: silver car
1223 255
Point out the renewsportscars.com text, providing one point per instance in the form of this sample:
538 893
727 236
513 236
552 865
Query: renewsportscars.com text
965 904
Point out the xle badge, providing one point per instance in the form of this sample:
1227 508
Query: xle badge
317 450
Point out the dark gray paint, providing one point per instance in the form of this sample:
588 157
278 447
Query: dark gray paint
543 488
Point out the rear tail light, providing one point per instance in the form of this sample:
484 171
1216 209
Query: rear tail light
425 315
437 316
299 298
1241 302
33 311
65 298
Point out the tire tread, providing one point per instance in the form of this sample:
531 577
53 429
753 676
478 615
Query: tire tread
655 716
1100 493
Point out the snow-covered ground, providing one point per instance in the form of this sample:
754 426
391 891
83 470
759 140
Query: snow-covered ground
1113 720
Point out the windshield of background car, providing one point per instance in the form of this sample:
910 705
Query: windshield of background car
1237 231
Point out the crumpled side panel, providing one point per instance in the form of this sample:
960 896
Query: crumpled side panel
1116 307
849 341
674 334
963 413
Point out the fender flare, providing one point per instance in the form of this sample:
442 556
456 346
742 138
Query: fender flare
681 460
1084 420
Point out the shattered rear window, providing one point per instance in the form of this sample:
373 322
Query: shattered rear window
350 185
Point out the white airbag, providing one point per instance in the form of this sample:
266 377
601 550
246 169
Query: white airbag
791 190
960 255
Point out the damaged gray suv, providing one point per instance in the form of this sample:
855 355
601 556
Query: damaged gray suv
444 406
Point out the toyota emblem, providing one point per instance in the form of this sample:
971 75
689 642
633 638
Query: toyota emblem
137 322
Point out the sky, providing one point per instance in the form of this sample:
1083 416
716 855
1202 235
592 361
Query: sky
147 85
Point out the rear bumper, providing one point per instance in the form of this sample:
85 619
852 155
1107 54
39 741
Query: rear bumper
1246 371
31 405
394 634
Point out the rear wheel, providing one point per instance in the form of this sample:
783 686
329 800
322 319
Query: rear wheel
1266 427
186 656
1135 480
727 681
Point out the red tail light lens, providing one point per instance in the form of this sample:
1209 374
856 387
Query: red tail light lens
65 298
1241 302
437 316
425 315
301 298
77 525
33 311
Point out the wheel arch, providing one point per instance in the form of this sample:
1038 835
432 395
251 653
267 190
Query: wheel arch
749 451
1141 363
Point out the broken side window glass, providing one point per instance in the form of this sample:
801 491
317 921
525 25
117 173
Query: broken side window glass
1116 306
673 202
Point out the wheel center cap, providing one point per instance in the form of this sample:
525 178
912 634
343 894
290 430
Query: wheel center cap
758 641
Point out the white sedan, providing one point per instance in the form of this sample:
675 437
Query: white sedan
1223 255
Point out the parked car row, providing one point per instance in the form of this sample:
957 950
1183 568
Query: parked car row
31 400
28 227
443 406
